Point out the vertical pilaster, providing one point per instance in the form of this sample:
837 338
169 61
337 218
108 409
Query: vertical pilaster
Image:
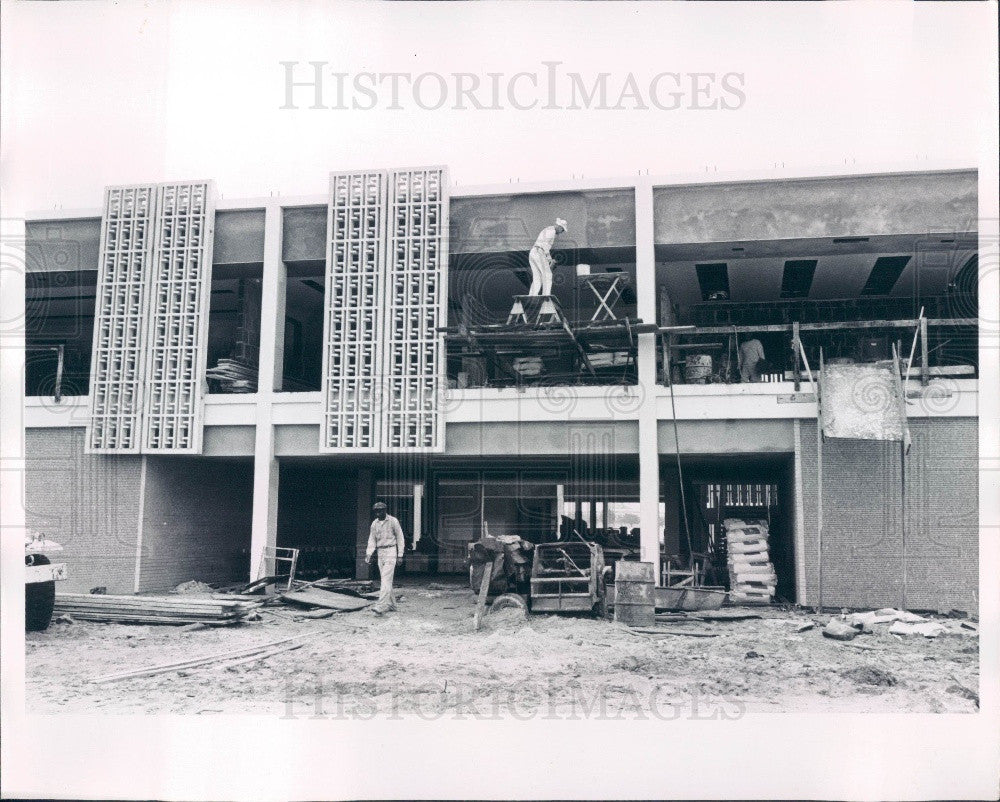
649 457
364 522
264 527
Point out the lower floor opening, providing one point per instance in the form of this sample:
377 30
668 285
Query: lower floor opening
443 505
757 490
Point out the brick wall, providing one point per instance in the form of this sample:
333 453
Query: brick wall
86 503
196 521
863 518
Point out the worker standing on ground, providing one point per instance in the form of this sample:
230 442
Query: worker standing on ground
751 355
540 258
386 539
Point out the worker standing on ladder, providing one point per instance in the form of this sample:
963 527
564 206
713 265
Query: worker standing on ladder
386 538
540 258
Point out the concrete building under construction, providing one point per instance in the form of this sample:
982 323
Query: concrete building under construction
209 380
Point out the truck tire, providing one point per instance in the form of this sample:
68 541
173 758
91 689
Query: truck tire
510 600
39 599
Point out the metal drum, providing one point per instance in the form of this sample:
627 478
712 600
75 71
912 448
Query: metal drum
697 368
635 602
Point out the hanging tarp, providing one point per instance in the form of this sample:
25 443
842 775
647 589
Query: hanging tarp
863 402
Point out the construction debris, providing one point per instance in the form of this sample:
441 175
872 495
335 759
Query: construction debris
194 586
200 661
929 629
838 630
153 609
317 597
752 579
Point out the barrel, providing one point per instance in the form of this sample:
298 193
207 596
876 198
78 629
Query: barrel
635 602
697 368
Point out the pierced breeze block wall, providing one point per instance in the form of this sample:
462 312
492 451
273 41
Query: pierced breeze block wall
386 278
127 233
88 503
863 548
196 522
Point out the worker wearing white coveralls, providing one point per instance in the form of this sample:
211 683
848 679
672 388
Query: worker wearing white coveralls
386 538
540 258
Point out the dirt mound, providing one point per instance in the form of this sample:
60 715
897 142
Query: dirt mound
870 676
507 618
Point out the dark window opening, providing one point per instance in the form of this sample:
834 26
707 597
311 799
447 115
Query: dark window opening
59 332
713 279
303 321
234 328
884 275
797 278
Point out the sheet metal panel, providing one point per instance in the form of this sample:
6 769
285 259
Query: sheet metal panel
863 402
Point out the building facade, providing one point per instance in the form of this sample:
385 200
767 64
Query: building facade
209 378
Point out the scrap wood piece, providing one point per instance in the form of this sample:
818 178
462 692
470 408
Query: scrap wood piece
689 632
317 597
484 589
199 661
251 659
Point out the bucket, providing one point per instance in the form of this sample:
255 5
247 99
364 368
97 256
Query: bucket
697 368
635 603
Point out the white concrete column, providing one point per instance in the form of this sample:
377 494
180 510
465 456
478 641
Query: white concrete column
649 457
264 530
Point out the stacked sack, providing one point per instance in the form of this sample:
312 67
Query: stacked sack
751 575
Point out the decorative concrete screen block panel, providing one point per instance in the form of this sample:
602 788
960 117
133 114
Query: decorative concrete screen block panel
127 234
180 290
863 402
386 278
416 283
353 326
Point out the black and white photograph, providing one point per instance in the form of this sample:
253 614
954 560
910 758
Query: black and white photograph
500 400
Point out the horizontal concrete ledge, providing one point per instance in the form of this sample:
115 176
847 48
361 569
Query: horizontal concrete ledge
942 398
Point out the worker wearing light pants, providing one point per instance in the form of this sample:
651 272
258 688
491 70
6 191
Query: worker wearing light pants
386 539
540 258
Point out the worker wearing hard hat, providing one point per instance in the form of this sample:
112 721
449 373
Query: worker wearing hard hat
540 258
386 539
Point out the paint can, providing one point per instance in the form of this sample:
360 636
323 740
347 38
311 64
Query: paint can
635 601
697 368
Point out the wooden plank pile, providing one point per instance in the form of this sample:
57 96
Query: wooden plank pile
234 376
154 609
752 579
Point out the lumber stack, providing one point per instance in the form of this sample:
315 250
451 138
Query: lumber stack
153 609
234 376
752 579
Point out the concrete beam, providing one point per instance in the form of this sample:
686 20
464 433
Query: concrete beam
818 207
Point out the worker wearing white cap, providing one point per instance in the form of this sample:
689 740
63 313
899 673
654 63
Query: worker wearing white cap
386 538
540 258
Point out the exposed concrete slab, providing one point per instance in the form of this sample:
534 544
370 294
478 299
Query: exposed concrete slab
239 236
825 207
228 441
728 437
541 438
59 245
303 233
596 219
